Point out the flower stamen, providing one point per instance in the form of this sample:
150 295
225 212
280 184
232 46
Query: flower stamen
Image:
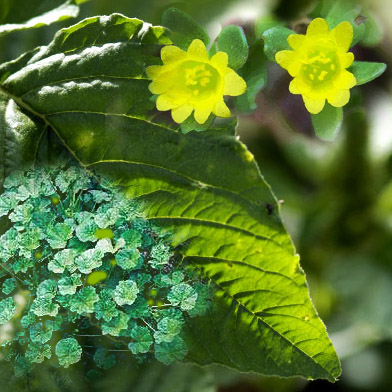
320 67
199 78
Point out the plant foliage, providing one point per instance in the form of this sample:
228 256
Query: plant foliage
88 90
49 257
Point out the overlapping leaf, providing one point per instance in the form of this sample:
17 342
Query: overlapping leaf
19 136
14 10
89 87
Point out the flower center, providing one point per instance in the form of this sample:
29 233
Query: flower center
320 67
198 79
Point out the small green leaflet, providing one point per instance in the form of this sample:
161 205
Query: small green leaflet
328 122
365 72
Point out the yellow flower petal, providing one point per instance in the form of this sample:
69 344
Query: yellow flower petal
220 59
313 105
346 59
221 109
161 84
293 88
345 81
317 26
158 88
167 102
164 103
296 41
202 112
340 98
233 84
288 59
154 71
181 113
343 34
172 54
197 50
298 86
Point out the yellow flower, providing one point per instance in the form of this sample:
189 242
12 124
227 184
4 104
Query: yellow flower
191 81
318 63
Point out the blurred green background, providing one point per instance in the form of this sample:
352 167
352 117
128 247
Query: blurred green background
336 199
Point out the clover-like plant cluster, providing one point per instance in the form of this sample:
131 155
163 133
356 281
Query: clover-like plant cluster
83 272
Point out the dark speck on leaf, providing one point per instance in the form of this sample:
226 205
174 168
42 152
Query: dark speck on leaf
360 19
270 208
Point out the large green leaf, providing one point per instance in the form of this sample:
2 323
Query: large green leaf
14 10
89 86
